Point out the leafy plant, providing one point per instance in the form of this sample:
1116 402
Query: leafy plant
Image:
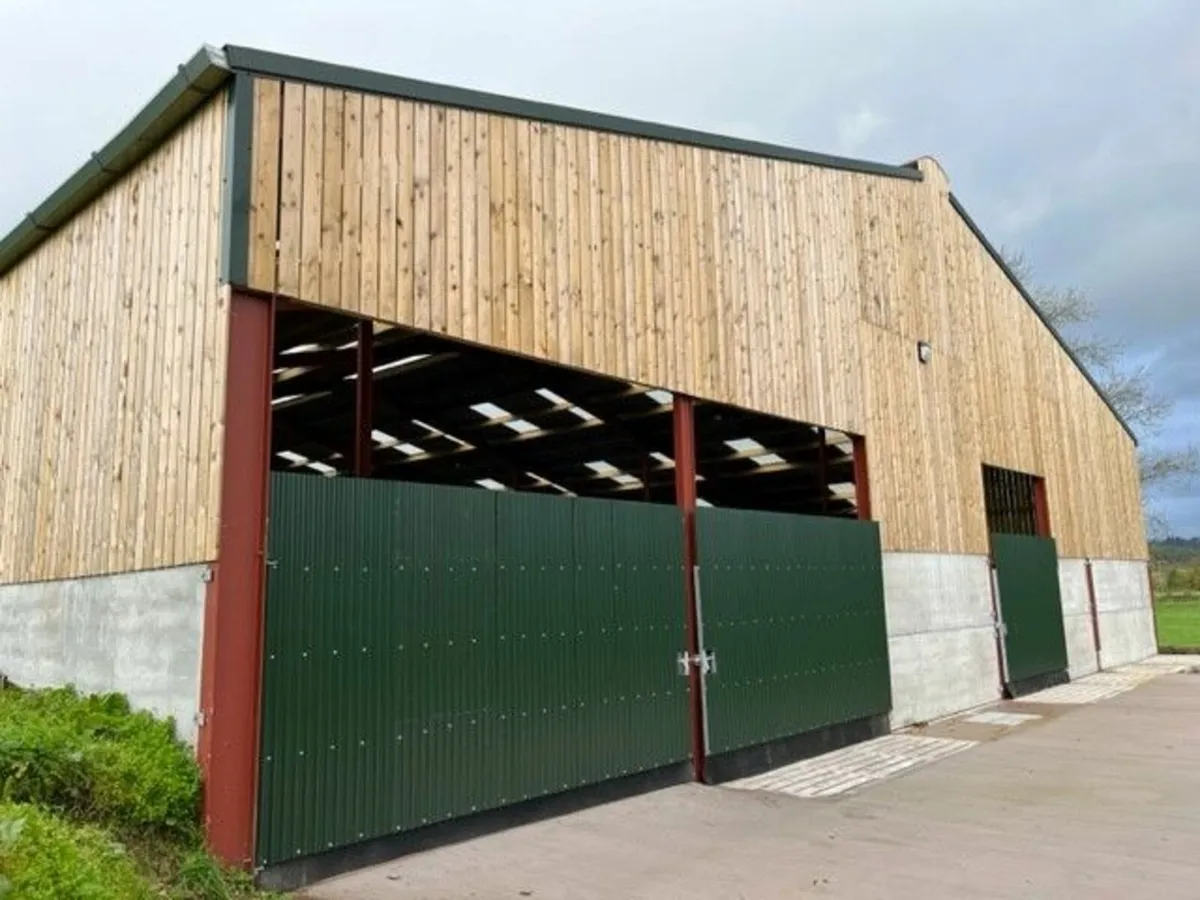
43 857
93 758
200 878
76 772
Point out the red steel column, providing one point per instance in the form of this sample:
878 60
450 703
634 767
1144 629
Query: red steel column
862 477
684 425
233 608
1041 507
1091 589
364 390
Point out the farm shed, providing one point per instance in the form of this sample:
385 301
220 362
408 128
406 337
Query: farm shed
433 455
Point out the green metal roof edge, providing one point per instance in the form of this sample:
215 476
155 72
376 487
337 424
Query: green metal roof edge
1016 282
291 68
197 80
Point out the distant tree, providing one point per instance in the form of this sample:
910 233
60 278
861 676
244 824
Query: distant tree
1128 387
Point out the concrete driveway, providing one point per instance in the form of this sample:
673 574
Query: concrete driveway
1092 801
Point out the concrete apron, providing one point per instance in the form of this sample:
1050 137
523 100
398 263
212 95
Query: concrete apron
1099 799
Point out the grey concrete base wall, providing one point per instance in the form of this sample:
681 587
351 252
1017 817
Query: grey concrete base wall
941 637
138 634
1077 617
1124 611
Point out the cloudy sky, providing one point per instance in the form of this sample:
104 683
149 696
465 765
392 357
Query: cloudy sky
1070 129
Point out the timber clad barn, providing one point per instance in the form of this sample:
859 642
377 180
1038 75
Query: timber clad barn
432 455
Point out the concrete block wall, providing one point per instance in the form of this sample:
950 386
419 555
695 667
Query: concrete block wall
1124 610
941 637
138 634
1077 617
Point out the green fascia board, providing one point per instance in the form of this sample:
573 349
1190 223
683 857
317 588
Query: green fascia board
290 68
1016 282
235 202
197 80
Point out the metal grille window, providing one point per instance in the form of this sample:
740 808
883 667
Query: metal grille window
1010 499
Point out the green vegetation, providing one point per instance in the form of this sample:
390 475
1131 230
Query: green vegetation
1176 575
97 801
1179 623
1176 551
45 857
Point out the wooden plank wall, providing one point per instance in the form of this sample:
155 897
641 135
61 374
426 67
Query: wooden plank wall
776 286
112 363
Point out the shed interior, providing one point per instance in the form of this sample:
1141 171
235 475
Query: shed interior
441 411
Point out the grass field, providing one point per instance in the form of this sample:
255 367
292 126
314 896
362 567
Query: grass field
1178 621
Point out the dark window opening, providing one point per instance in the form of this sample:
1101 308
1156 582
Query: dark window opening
1011 501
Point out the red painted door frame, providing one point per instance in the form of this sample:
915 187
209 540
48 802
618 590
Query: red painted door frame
233 609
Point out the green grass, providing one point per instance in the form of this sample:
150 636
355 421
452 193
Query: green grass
1178 618
98 801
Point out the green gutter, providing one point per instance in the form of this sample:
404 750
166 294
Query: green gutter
1016 282
197 80
290 68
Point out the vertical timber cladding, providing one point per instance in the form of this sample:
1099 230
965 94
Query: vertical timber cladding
792 606
771 285
113 336
436 651
1035 643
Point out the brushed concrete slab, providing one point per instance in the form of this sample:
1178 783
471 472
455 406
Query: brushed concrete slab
1101 801
855 767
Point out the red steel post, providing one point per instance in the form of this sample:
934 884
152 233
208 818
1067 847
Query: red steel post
862 477
684 425
364 396
233 609
1041 507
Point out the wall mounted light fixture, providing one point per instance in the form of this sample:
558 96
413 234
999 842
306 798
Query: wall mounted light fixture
924 351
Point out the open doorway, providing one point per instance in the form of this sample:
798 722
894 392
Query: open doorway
1026 597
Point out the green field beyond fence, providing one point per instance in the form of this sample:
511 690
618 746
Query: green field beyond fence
1178 622
1177 602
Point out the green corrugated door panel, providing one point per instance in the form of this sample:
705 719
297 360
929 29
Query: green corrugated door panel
793 608
379 600
1030 604
433 651
534 673
646 693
